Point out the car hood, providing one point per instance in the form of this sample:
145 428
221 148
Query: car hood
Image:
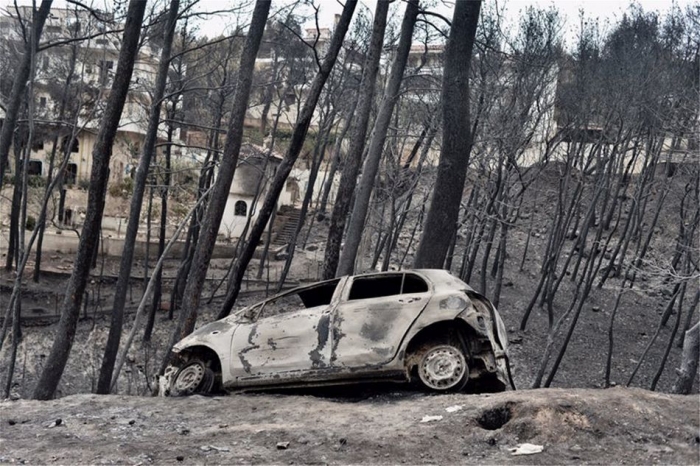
206 333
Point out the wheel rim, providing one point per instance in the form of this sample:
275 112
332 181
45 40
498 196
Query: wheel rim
189 378
442 368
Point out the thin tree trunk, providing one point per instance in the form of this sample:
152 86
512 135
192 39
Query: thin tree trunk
267 96
157 287
421 214
662 364
689 317
356 225
285 167
308 195
353 159
13 243
501 265
671 302
227 168
335 161
204 182
22 254
149 226
689 362
147 292
19 85
102 151
115 328
268 237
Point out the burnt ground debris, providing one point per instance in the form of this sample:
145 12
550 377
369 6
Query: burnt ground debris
625 426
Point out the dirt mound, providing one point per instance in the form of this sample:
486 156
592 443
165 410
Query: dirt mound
594 426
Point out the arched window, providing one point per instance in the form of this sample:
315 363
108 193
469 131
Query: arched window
240 209
75 147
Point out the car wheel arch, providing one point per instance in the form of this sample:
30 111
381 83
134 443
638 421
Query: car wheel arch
453 330
205 353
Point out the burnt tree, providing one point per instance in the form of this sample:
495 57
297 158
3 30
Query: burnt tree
19 85
229 160
285 167
115 328
353 159
102 151
441 221
346 263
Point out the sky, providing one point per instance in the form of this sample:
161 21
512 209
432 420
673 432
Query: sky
595 8
601 9
569 9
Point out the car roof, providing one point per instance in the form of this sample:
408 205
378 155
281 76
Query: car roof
440 278
444 280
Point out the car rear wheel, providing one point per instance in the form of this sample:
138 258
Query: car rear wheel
443 368
193 378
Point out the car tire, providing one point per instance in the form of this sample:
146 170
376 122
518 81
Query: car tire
443 368
192 378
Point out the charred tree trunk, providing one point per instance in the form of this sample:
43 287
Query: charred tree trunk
13 243
285 167
346 263
689 362
305 205
54 149
335 161
353 159
204 182
115 328
158 285
102 151
441 221
227 168
19 85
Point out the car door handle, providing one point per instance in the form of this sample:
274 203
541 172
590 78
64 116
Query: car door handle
408 300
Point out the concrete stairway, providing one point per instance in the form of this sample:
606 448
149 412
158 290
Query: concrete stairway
285 224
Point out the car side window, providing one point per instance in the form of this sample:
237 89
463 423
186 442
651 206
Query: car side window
305 298
414 284
282 305
379 286
375 286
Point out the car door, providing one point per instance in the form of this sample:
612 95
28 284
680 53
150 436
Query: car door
288 337
374 314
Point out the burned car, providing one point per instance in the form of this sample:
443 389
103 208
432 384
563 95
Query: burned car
420 325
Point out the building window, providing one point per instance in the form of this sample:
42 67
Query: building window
38 144
240 209
42 103
70 174
75 147
34 168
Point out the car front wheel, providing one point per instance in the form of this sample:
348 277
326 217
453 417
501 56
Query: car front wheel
443 368
192 378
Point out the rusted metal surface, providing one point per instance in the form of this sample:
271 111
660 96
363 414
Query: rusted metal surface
353 328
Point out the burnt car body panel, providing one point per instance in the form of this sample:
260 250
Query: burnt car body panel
368 331
350 329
